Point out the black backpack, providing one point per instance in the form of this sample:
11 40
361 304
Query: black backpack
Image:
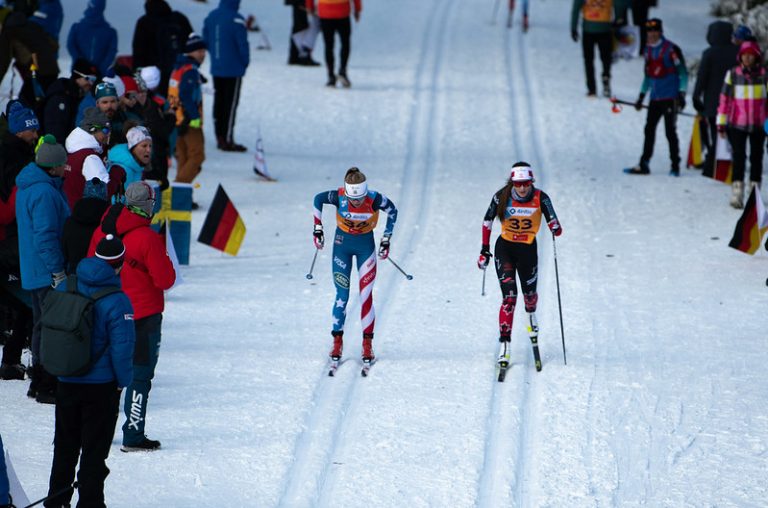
66 328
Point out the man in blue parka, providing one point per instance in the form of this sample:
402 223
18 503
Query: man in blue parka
226 36
93 39
87 406
41 209
49 15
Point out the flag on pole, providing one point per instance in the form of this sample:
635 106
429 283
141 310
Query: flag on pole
169 247
695 153
260 160
723 164
223 228
752 225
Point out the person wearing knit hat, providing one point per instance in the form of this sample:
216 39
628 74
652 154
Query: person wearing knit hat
149 273
115 108
127 161
740 117
86 146
111 249
22 121
41 210
741 34
107 97
84 69
185 94
151 76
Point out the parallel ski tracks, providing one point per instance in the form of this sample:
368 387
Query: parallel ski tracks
311 478
509 433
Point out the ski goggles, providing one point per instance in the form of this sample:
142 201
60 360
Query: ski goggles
90 77
103 128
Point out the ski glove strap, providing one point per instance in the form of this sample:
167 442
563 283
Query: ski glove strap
485 257
555 227
319 237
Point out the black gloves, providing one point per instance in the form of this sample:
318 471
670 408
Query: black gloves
319 237
639 102
575 35
680 101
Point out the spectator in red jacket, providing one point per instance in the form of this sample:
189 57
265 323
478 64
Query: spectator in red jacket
334 17
85 146
148 272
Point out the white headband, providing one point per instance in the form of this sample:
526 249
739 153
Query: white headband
356 190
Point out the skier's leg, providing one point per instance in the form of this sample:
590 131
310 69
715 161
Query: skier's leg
505 270
366 268
342 267
528 261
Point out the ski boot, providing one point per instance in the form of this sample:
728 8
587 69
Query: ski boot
338 345
368 357
502 363
533 333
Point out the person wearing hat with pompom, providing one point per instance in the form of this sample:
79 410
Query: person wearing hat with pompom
87 406
520 207
63 98
742 111
148 272
41 210
126 162
185 97
86 147
17 149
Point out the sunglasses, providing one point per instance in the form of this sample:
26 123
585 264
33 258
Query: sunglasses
90 77
522 184
103 128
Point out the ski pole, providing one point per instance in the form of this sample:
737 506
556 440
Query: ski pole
559 304
407 276
616 107
482 293
55 494
312 267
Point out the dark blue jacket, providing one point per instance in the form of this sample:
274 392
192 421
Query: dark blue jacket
112 324
41 209
190 89
50 16
227 39
93 38
716 60
675 78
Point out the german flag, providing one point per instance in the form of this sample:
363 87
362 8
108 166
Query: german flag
752 224
223 228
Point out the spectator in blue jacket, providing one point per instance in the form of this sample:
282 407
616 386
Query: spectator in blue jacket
50 16
87 406
41 210
93 39
226 36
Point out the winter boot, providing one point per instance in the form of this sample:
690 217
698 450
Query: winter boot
640 169
145 445
675 169
737 195
236 147
344 79
9 371
525 23
338 345
34 381
221 143
606 86
331 83
368 355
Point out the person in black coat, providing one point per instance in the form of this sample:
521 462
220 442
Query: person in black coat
715 62
17 149
159 37
63 98
86 217
640 10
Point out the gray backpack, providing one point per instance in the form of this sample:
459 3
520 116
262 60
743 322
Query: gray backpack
66 328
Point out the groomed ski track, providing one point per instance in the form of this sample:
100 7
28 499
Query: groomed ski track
312 477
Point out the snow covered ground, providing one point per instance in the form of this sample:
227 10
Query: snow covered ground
663 399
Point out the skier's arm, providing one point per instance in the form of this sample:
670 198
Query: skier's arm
330 197
382 203
490 214
549 214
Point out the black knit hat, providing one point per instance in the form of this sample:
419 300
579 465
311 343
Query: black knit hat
653 25
111 250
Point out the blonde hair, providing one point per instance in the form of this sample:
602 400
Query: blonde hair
354 176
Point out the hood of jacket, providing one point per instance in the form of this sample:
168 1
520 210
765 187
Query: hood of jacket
79 139
719 33
120 155
33 174
157 8
95 10
94 273
89 211
127 221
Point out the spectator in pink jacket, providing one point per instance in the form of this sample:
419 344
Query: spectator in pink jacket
741 115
